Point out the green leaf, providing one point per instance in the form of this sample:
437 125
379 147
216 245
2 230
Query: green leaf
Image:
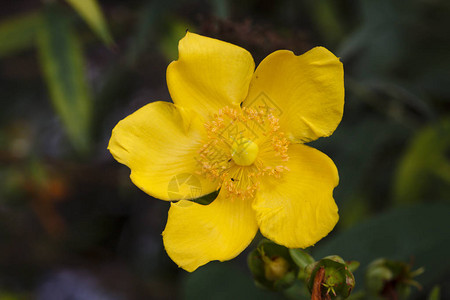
91 12
62 62
435 293
18 32
151 21
325 16
301 257
206 199
425 165
175 30
353 265
419 232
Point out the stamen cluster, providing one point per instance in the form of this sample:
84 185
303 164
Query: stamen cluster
226 127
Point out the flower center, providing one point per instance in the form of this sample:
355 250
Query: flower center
242 146
244 152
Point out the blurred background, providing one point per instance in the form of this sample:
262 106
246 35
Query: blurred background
73 226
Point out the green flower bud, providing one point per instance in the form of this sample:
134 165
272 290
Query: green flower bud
275 268
388 278
330 278
271 266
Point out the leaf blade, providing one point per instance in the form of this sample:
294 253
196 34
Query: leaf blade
92 14
206 199
62 64
18 32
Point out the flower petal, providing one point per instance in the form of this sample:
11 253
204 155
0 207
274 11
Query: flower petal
209 74
306 92
298 209
159 143
196 234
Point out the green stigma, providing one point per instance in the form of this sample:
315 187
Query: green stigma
244 152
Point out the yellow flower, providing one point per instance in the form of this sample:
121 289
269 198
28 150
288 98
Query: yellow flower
241 131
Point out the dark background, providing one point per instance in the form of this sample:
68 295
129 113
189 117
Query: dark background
73 226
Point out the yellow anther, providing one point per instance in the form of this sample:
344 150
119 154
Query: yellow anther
244 152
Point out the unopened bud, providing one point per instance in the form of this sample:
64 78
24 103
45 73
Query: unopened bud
330 278
275 268
271 266
391 278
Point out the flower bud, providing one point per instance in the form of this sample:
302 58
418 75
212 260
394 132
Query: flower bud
330 278
388 278
271 266
275 268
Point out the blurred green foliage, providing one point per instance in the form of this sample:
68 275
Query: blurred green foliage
62 63
424 170
90 11
18 32
418 234
70 219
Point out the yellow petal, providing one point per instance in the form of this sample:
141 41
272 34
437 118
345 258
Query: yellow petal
160 144
298 209
197 234
306 92
209 74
